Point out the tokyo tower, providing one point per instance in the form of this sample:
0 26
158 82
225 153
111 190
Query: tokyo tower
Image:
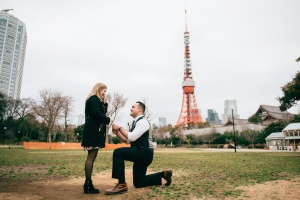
189 110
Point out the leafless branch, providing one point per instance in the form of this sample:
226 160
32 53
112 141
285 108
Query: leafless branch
49 108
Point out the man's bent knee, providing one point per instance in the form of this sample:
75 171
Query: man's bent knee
116 152
138 184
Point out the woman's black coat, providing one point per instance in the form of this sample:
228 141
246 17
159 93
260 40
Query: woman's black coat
94 133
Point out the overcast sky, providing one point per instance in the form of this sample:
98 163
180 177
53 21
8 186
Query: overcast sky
243 50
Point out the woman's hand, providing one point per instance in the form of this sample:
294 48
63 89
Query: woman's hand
112 119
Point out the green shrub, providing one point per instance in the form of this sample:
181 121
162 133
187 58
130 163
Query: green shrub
259 146
15 140
115 140
25 139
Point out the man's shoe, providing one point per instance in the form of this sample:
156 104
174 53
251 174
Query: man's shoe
119 188
168 176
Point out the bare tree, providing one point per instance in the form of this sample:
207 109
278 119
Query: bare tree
67 108
178 133
2 105
148 113
160 134
32 123
49 108
23 107
197 138
209 137
115 103
181 135
11 107
251 136
162 131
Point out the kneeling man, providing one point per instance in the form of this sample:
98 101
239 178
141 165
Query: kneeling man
140 153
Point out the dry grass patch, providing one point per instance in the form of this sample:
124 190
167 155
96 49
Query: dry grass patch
196 174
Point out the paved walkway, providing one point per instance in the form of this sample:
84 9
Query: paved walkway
244 150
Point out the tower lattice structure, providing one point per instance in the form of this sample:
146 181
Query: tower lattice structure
189 110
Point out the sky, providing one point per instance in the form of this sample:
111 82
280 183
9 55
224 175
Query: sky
242 50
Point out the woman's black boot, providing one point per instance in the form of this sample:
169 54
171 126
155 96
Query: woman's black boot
89 188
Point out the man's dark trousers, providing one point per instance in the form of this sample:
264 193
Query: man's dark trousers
141 158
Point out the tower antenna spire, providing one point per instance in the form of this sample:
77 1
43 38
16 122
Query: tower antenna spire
6 10
186 29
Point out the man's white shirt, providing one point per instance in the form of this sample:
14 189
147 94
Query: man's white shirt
141 127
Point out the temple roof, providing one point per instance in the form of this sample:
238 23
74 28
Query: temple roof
265 111
236 121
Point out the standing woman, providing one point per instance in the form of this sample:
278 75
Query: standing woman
94 133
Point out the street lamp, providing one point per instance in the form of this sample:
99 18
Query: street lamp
66 129
233 129
4 135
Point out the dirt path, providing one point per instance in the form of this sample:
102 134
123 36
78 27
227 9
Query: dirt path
40 189
275 190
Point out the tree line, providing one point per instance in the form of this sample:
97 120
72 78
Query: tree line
42 119
247 137
45 119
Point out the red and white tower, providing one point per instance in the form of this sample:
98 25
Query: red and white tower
189 110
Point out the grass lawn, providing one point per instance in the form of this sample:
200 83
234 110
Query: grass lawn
202 174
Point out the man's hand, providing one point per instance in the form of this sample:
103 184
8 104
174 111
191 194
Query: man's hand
115 132
115 127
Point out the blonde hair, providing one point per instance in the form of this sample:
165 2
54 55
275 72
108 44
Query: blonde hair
96 90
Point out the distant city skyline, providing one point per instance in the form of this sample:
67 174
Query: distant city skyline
13 39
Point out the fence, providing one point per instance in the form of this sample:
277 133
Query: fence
64 145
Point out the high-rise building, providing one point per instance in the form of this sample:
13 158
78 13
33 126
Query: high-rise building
212 117
162 121
13 38
230 107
